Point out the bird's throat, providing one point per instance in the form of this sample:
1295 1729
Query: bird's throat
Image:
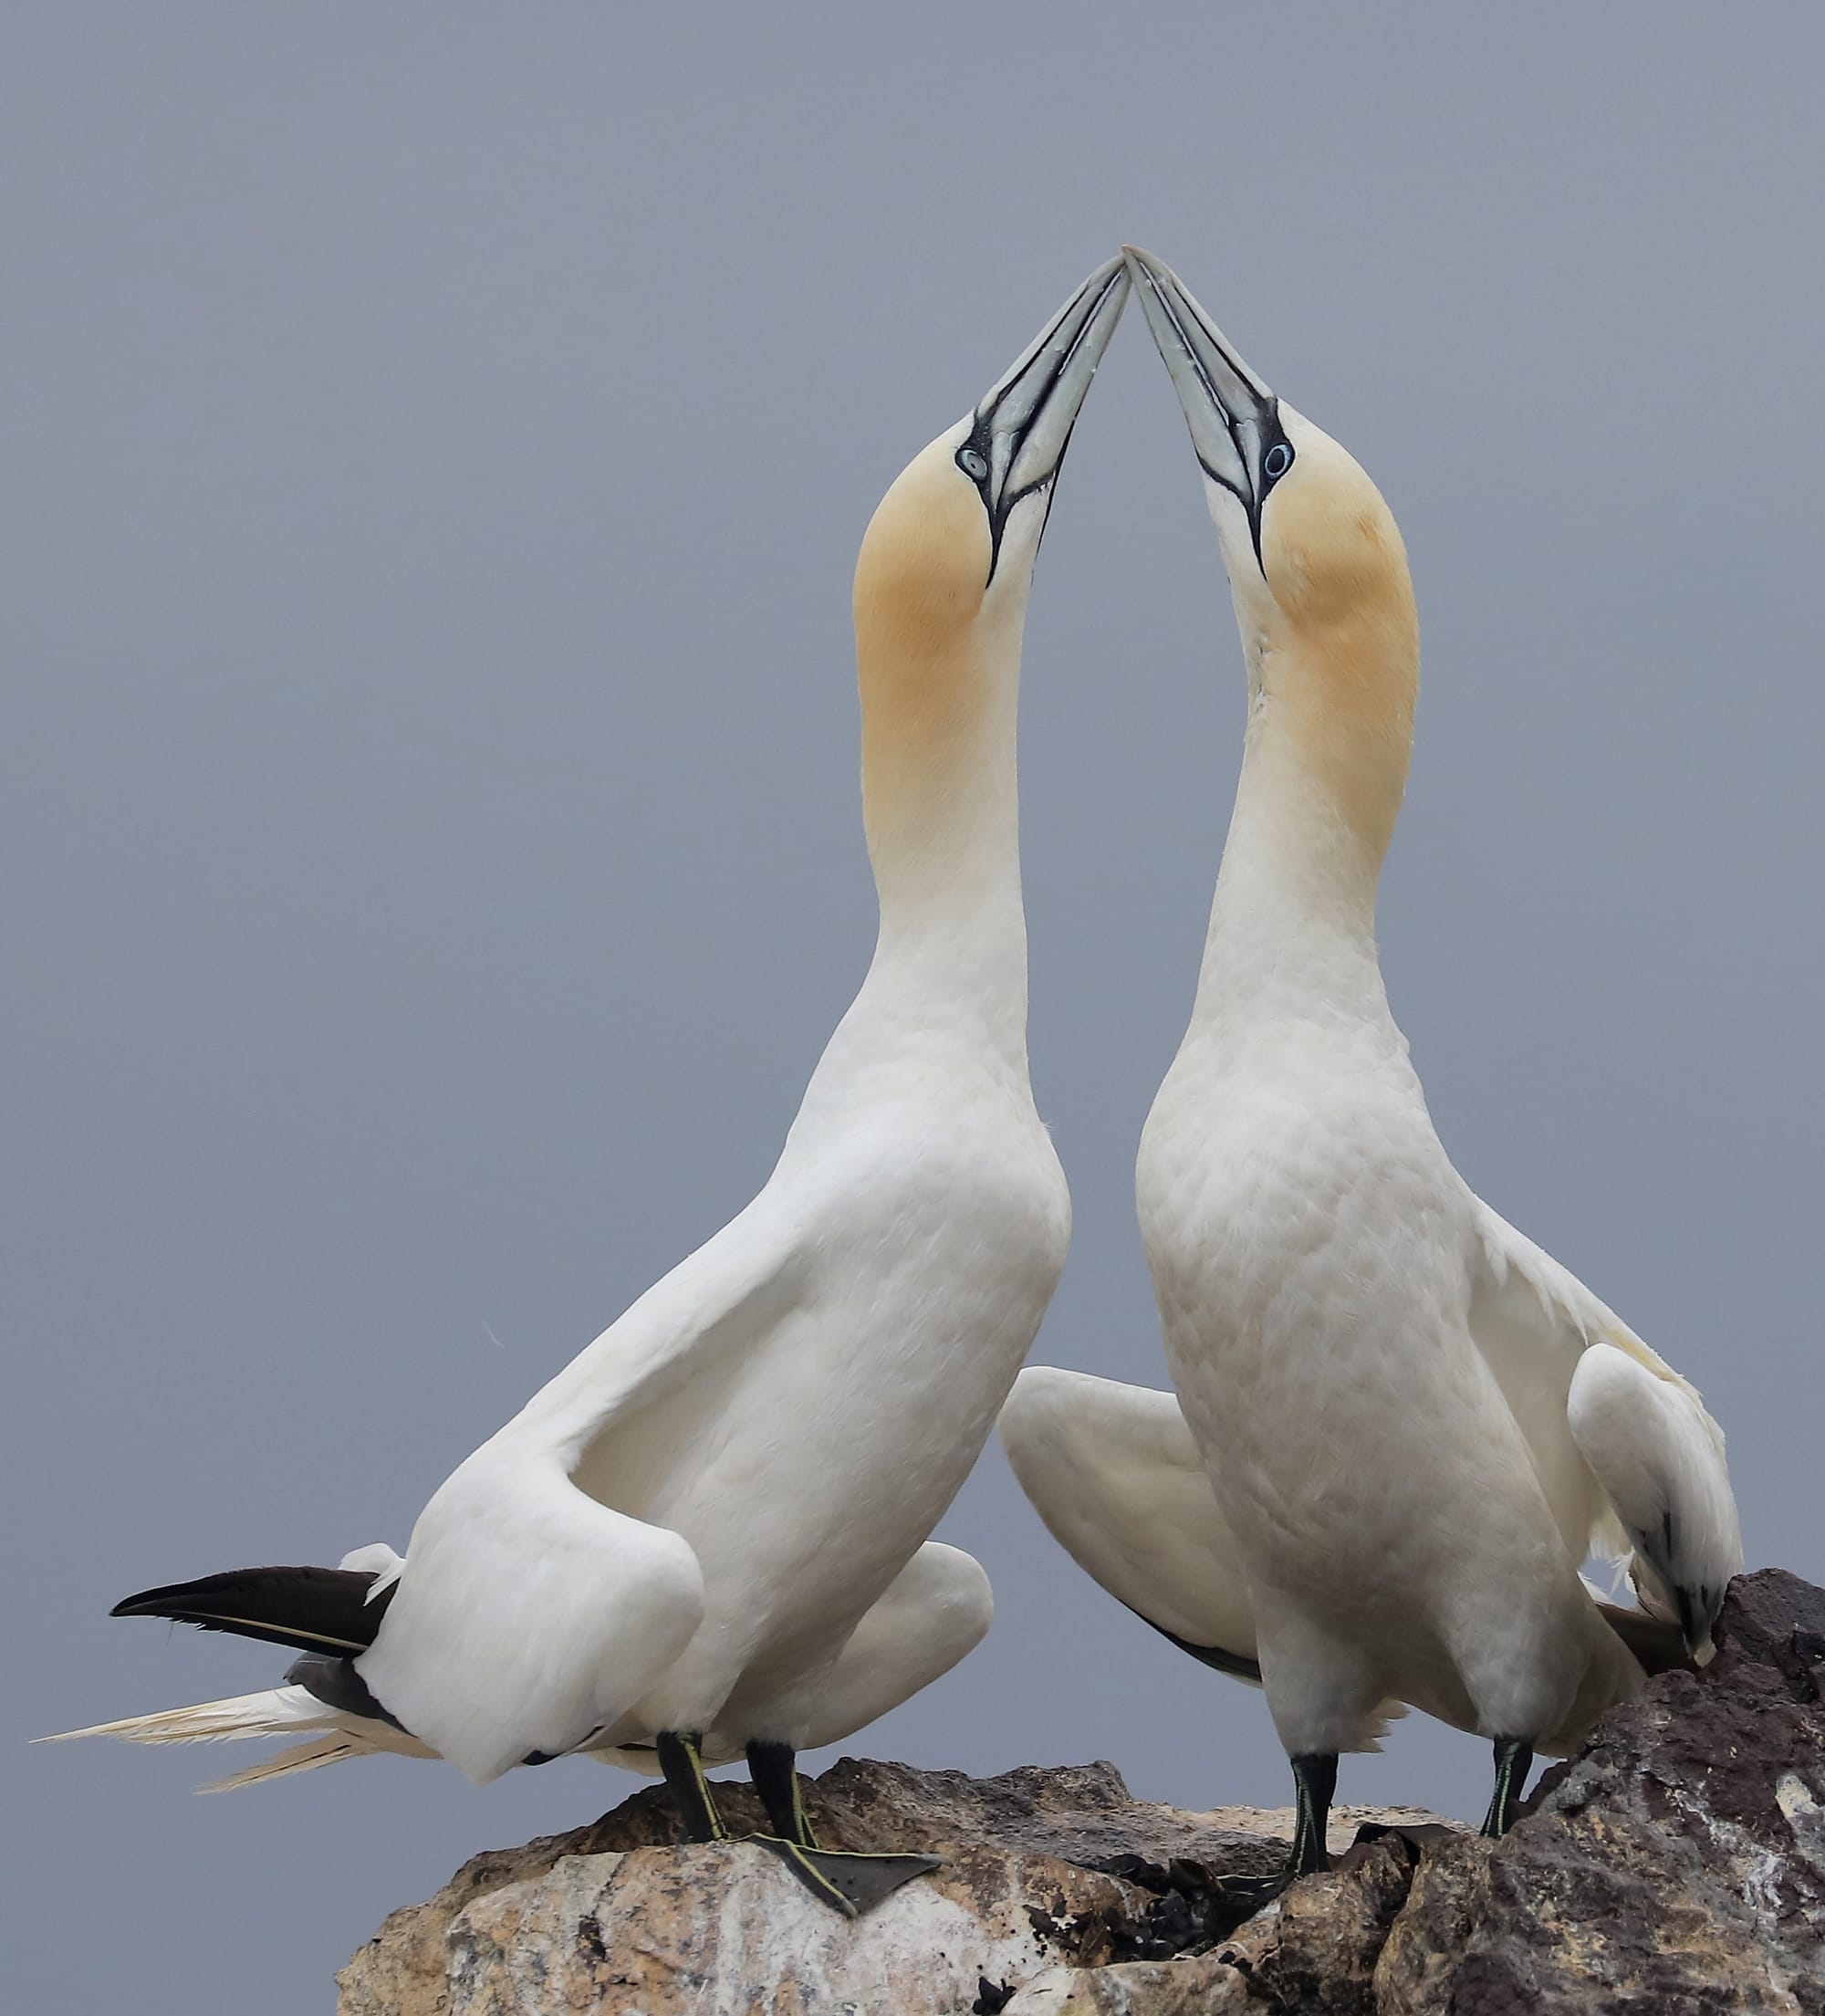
1323 772
941 805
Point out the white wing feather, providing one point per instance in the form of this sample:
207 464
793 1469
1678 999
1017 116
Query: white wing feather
933 1612
1623 1447
936 1609
530 1615
1660 1456
1114 1472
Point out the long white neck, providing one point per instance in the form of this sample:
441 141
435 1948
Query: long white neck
941 804
1292 928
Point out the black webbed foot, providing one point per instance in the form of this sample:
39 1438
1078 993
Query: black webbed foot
852 1885
1315 1779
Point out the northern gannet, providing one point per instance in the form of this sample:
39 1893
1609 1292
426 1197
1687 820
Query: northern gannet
1404 1426
936 1610
697 1536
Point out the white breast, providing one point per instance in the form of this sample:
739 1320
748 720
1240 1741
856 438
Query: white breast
937 1232
1311 1251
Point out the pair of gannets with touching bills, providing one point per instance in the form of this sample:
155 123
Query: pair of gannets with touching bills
709 1533
1399 1427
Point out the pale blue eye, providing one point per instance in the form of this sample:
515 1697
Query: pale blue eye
1278 460
971 465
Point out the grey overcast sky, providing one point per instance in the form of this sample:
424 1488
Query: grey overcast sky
436 441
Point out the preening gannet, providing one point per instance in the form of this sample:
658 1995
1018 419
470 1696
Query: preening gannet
697 1536
1405 1427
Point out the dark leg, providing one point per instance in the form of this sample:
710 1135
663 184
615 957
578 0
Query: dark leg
1514 1760
681 1759
774 1770
848 1884
1316 1777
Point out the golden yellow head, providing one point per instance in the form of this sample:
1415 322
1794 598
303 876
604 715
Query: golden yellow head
942 580
923 569
1330 552
1328 618
1317 568
920 581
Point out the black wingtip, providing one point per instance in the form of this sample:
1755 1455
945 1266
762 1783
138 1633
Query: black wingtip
306 1609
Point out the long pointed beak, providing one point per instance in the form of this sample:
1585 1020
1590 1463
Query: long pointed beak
1023 425
1233 416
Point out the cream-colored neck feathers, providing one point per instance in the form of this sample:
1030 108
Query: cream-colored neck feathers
1332 641
938 662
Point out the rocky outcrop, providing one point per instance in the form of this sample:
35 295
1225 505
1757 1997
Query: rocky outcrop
1676 1866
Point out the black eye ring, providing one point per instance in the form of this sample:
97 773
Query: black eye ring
1278 460
974 466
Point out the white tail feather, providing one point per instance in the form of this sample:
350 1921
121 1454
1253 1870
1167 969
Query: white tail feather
300 1756
278 1711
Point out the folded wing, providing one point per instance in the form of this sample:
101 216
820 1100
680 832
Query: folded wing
1660 1457
1114 1472
934 1611
1631 1461
531 1615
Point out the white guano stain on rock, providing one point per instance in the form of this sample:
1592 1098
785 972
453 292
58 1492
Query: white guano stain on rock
663 1931
1805 1814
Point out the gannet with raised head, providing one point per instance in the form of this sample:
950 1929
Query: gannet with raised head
1405 1427
698 1535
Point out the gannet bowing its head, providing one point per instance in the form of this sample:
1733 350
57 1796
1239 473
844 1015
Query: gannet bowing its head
708 1533
1403 1426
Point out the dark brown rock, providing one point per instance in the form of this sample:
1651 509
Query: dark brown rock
1331 1932
1772 1630
1313 1953
1077 1812
1050 1873
1675 1867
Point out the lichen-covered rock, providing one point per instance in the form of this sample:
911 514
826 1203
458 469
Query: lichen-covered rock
1201 1986
1057 1870
727 1930
1330 1931
1313 1953
1676 1867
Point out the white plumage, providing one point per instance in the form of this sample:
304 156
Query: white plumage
712 1522
1410 1425
936 1610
